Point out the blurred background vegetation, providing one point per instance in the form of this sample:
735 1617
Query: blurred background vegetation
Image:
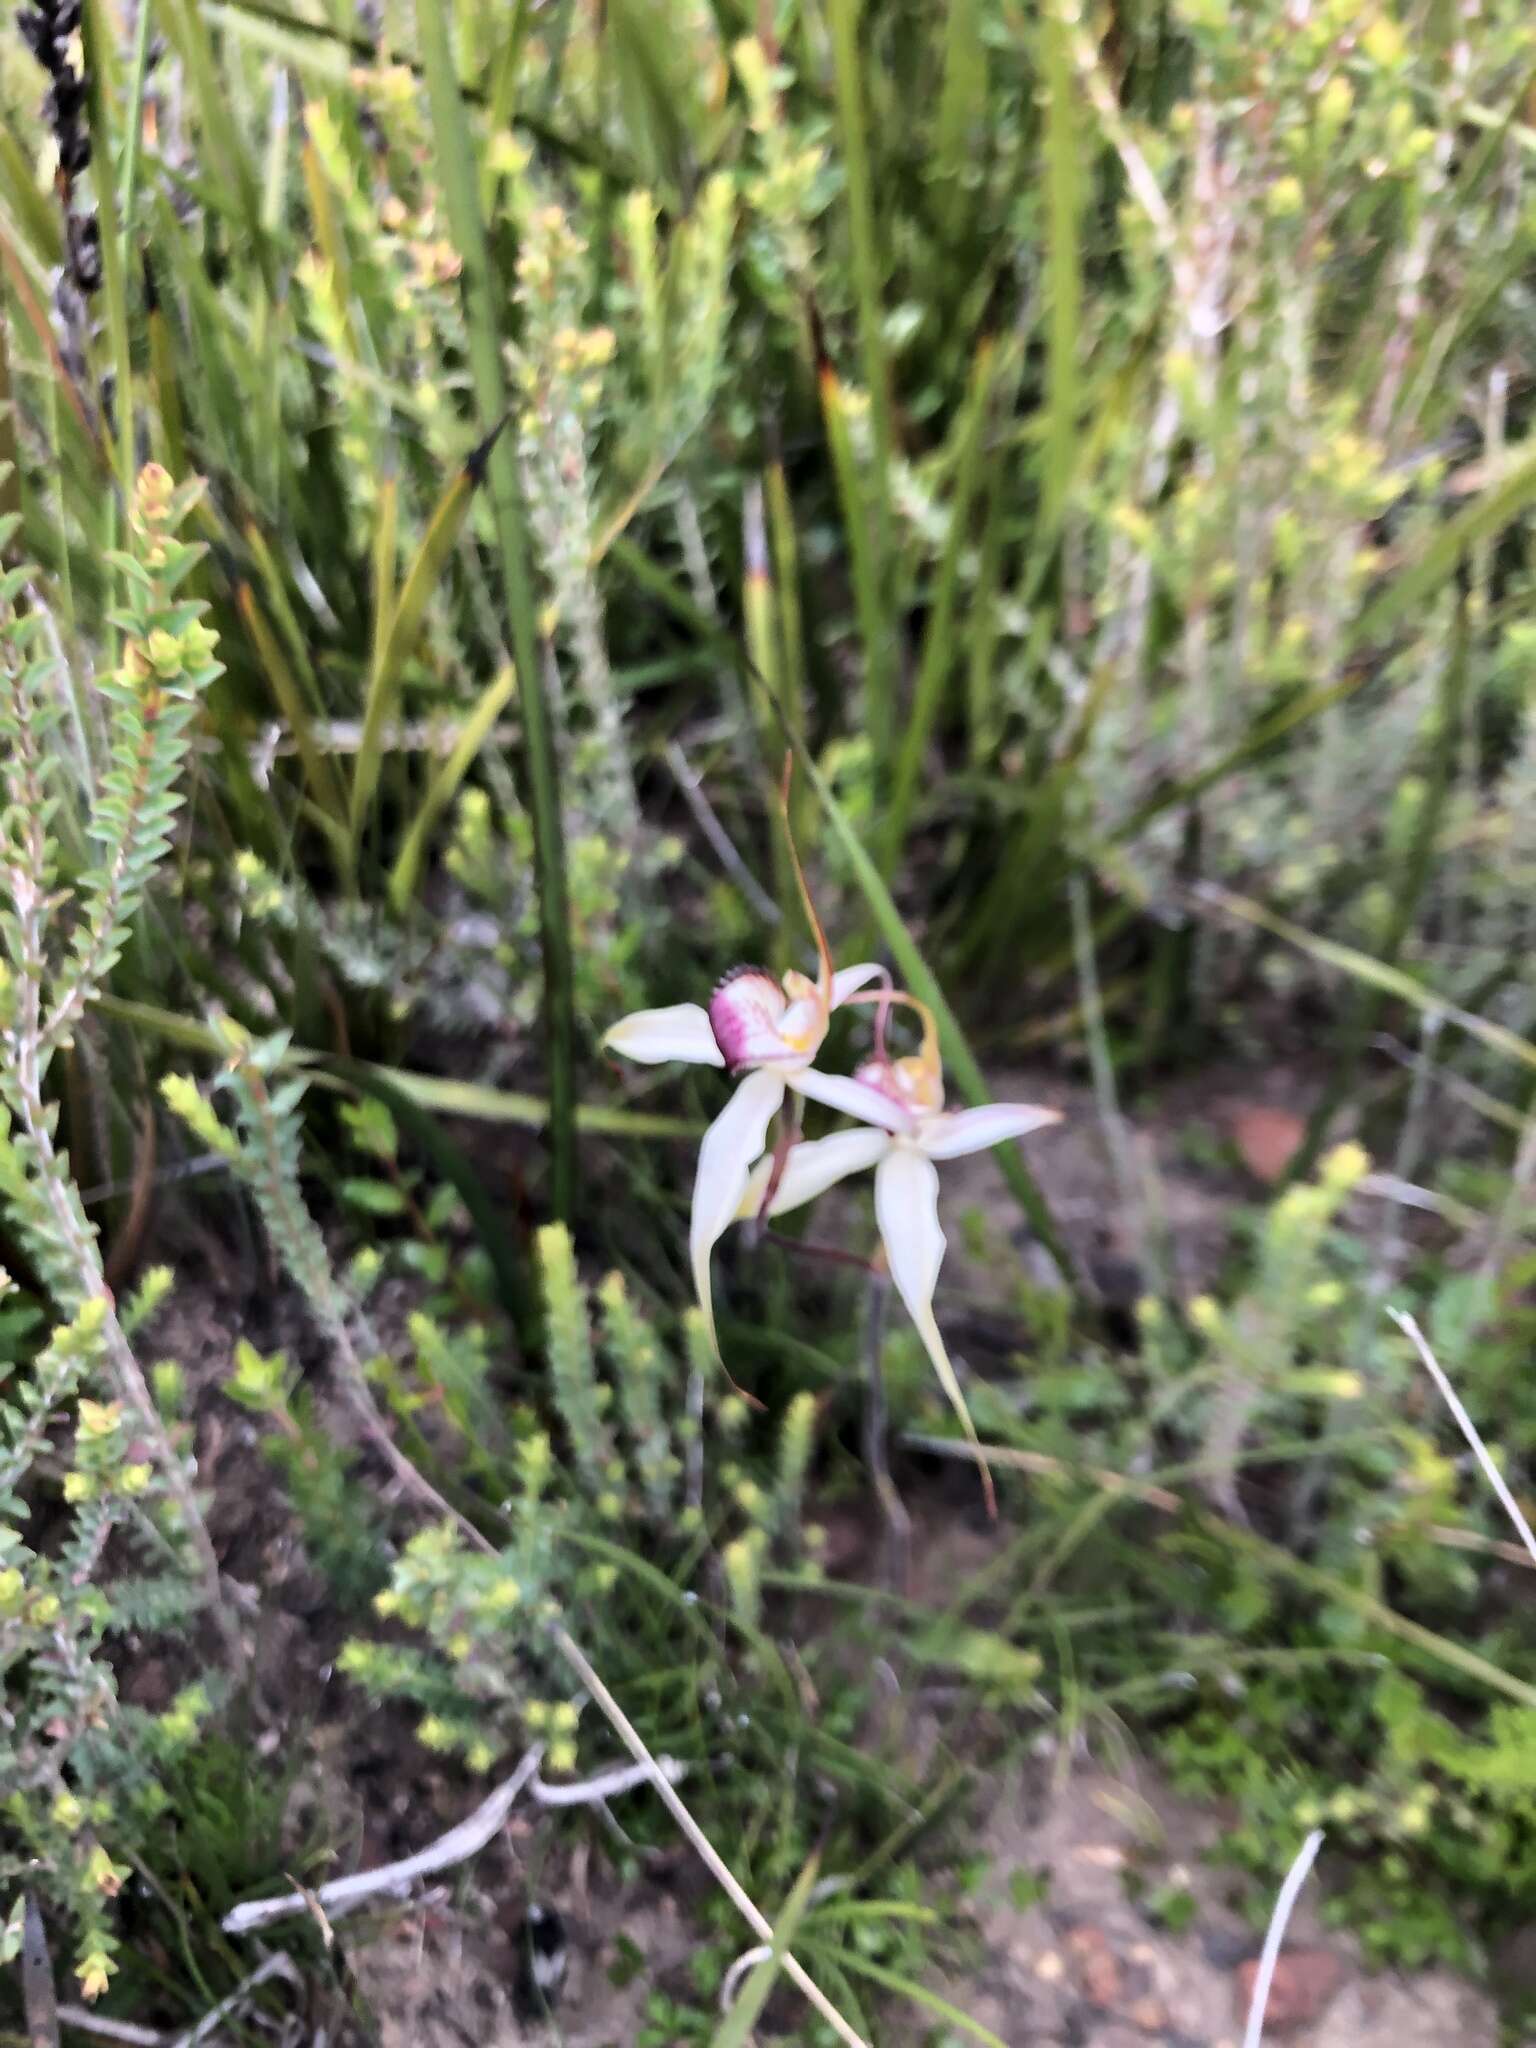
1096 443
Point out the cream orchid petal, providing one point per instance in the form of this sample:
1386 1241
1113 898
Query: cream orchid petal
852 1098
959 1131
812 1167
731 1144
755 1189
680 1032
849 980
907 1211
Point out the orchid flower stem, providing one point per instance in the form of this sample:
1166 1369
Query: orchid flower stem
789 1132
832 1253
898 1523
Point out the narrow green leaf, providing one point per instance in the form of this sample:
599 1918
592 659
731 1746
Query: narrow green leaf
939 649
877 629
456 165
735 2030
1376 974
962 104
99 41
1063 266
373 1197
431 1091
918 1994
440 791
37 219
1488 514
1443 1649
187 29
868 283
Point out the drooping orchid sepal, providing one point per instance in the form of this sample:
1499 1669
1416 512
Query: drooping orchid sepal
900 1103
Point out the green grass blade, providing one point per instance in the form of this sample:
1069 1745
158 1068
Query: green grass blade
10 454
134 139
531 1112
853 136
786 577
1375 974
1063 267
187 29
98 40
456 164
939 649
33 215
1487 515
313 50
1331 1588
37 321
321 50
735 2030
397 626
889 1980
471 1099
443 786
876 626
962 99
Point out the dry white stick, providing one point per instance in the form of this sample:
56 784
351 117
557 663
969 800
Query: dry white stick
1467 1426
713 1861
747 1961
1279 1920
275 1966
343 1893
592 1791
84 2021
471 1835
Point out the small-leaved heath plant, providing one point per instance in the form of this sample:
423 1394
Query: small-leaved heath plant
620 1463
94 1486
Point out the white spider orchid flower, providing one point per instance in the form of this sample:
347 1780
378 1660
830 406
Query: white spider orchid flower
900 1103
769 1030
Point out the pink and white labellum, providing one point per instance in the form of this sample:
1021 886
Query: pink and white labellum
901 1104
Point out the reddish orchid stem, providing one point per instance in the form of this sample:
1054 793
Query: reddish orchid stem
784 1144
887 998
833 1254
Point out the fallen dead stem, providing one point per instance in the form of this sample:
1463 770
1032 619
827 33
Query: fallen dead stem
345 1894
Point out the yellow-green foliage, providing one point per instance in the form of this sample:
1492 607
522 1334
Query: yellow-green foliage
637 1365
581 1399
